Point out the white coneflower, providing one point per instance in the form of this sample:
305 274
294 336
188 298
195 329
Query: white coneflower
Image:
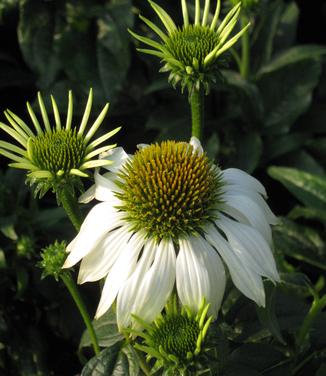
167 218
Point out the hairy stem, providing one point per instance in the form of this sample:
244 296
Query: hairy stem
197 111
70 205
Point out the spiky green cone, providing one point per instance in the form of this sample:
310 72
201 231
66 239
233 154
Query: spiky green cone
191 52
58 155
176 340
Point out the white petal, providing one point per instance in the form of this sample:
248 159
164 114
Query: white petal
216 273
196 144
127 297
241 178
157 284
120 272
87 196
246 280
101 219
98 263
142 146
118 156
256 197
250 246
252 211
192 276
105 188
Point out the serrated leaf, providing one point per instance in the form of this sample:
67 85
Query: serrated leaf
106 331
308 213
308 188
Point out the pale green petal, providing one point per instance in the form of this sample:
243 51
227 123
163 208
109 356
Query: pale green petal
206 12
86 113
197 12
151 52
24 166
16 127
76 172
34 119
40 174
216 15
12 156
21 123
97 123
155 28
69 111
164 17
103 138
14 148
44 113
56 114
232 41
14 134
148 41
97 163
185 13
228 17
99 151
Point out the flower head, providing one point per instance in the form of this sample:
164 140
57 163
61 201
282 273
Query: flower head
190 53
176 339
52 259
168 217
55 155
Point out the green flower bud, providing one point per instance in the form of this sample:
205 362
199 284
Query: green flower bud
25 246
191 52
53 257
55 155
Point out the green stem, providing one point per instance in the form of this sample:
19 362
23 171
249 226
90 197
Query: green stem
71 207
197 111
316 307
71 286
245 50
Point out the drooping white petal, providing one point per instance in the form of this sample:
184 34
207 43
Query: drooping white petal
241 178
256 197
192 277
101 219
127 297
252 211
105 188
250 246
196 144
157 284
216 273
122 269
98 263
246 280
118 156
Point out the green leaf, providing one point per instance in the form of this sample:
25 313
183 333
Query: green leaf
307 188
292 56
106 331
287 27
321 370
114 361
3 262
37 30
300 242
286 87
267 315
308 213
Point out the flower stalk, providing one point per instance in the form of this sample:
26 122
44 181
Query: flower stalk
197 112
245 50
72 288
70 204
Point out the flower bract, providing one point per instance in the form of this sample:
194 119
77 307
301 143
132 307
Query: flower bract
170 219
191 52
56 154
